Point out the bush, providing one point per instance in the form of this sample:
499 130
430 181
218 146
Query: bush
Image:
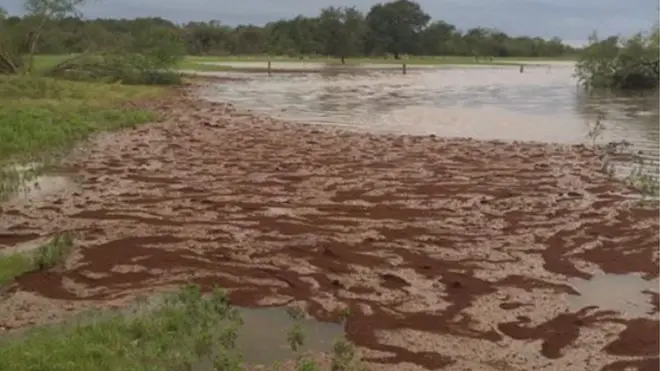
615 63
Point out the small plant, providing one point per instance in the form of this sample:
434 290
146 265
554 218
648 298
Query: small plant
306 364
296 337
54 252
596 130
344 356
644 178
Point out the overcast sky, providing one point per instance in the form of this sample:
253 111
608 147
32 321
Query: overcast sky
571 20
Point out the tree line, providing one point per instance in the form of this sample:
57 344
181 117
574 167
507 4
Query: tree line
391 28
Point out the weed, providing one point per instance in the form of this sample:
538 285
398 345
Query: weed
306 364
596 130
54 252
644 177
296 337
344 356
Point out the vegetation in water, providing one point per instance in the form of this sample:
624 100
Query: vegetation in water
617 63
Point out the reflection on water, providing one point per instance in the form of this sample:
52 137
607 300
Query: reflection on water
541 104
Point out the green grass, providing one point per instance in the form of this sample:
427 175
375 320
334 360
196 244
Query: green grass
52 253
13 265
38 115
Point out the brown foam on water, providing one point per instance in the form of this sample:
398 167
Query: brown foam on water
448 253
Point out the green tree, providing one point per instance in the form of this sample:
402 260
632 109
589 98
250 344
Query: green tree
341 31
395 27
40 13
436 39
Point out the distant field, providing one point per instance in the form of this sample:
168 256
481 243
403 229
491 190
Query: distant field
43 62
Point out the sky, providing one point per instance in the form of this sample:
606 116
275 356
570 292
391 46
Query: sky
571 20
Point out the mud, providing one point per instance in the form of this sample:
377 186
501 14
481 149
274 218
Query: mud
448 253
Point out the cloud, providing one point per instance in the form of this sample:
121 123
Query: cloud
567 19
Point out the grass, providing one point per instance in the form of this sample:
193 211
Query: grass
14 265
180 332
172 335
40 117
54 252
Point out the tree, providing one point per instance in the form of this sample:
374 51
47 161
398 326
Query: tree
436 38
341 31
40 12
396 26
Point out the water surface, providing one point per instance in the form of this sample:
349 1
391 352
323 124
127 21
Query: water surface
491 102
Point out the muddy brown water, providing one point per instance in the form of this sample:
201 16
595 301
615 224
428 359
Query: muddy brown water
497 102
448 253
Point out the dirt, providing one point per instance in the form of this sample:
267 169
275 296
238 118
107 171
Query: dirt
446 253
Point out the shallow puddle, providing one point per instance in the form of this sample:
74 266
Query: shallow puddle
263 337
27 182
262 340
623 293
44 185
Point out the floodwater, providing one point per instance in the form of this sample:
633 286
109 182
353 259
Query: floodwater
624 293
262 339
491 102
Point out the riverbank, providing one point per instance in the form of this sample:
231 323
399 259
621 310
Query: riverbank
452 253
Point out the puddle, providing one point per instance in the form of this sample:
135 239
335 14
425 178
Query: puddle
262 340
30 186
622 293
44 185
263 337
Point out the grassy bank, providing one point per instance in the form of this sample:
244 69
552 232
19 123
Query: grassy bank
41 116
